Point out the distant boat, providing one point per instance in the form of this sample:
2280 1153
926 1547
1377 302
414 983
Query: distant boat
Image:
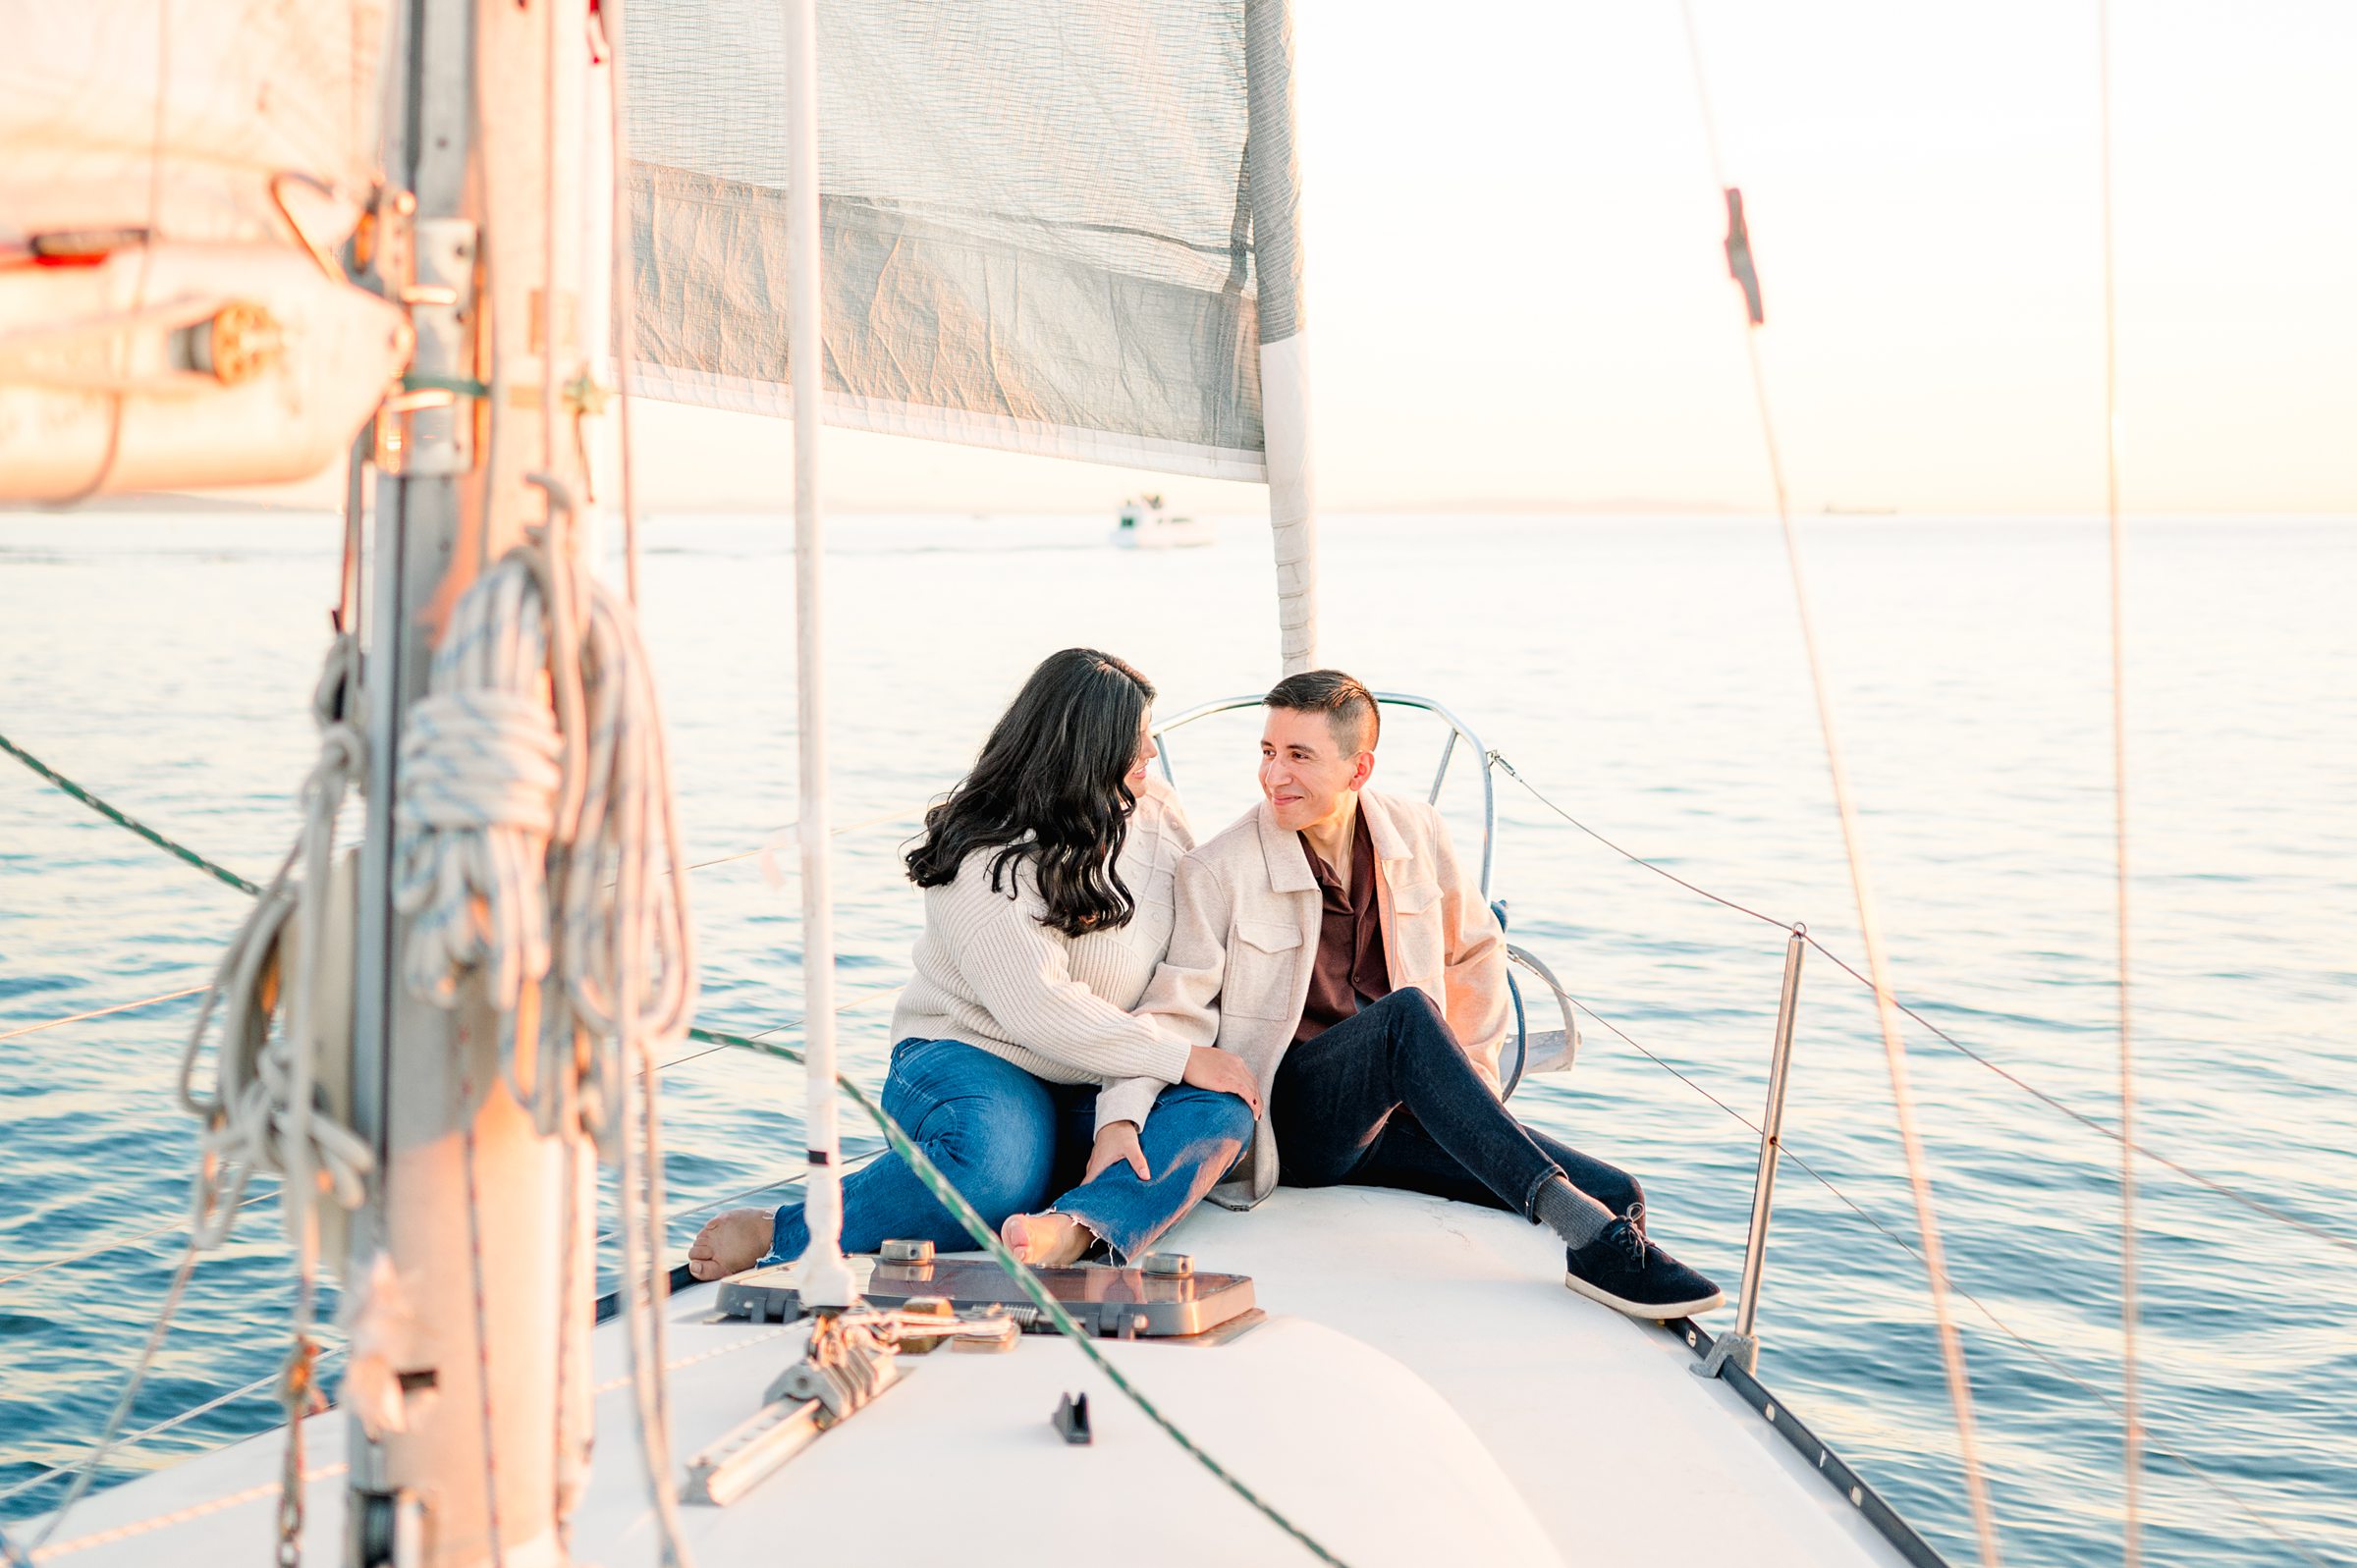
1832 509
1147 524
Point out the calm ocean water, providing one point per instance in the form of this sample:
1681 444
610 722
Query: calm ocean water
1647 675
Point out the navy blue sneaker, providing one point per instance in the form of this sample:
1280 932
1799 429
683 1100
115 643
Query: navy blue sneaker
1630 1274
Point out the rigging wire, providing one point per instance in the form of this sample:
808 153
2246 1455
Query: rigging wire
277 1376
622 285
133 1239
1632 855
860 999
482 1349
1919 1182
2131 1429
2249 1508
102 1012
263 1117
2257 1206
110 1435
776 838
219 873
168 1424
213 1505
713 1045
721 1041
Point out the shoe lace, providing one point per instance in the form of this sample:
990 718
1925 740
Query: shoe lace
1627 1236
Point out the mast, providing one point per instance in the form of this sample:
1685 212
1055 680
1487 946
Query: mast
825 1278
1272 180
482 233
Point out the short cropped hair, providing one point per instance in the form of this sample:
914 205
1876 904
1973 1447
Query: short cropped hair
1347 703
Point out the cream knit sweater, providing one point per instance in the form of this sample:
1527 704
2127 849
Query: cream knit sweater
986 972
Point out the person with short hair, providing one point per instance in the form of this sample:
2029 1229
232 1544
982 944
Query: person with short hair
1330 941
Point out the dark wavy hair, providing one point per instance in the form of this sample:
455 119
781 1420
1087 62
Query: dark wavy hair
1051 787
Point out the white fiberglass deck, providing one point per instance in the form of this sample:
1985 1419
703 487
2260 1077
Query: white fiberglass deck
1425 1391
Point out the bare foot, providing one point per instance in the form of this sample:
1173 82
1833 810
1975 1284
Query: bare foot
730 1243
1046 1241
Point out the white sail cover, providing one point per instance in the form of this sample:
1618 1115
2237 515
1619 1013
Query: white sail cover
225 121
1039 225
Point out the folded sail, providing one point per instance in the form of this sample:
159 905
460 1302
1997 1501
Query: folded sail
1038 227
175 180
221 123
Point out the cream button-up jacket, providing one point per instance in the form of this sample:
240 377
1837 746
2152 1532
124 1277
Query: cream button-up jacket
1246 933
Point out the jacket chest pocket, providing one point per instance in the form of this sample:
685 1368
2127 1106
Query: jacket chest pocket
1263 966
1421 946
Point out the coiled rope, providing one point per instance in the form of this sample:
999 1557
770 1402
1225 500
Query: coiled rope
515 827
262 1115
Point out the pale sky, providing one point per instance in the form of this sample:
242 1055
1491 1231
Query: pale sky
1516 294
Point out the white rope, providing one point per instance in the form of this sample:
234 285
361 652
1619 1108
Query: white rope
261 1115
629 952
481 764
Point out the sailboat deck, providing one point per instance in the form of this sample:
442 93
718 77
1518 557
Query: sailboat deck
1424 1391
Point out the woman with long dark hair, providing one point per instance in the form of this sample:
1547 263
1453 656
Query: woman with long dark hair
1047 877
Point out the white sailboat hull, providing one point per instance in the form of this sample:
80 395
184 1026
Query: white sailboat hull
1424 1391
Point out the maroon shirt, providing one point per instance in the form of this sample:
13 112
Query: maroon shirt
1348 971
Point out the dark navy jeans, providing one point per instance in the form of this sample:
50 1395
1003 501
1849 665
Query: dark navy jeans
1386 1098
1008 1141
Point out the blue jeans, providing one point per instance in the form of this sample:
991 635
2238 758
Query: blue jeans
1006 1139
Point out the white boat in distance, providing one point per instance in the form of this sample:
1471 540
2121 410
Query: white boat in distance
1146 524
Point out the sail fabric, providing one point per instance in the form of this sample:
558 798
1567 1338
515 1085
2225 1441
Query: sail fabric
1037 222
224 122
